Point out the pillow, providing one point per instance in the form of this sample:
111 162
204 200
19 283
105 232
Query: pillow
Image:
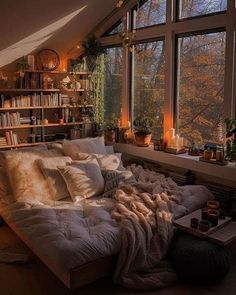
83 179
27 181
110 162
109 149
85 145
113 178
55 181
5 188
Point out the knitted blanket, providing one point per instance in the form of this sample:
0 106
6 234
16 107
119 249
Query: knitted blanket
145 210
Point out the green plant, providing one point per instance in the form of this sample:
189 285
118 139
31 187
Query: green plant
109 126
92 47
143 125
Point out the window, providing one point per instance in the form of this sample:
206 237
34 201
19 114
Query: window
149 83
112 84
152 12
116 29
200 95
192 8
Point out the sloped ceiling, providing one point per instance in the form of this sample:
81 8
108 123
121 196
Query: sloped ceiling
30 25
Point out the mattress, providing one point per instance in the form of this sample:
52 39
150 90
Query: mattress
67 236
77 241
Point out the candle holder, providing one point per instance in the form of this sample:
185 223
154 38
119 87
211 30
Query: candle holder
213 216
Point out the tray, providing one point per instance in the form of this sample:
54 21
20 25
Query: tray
184 224
213 161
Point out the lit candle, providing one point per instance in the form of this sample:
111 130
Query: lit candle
128 125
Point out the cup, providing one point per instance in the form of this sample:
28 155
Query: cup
213 216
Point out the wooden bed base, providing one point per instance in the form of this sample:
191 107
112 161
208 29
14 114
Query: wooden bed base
75 278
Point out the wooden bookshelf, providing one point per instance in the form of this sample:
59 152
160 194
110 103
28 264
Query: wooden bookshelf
20 145
20 90
27 126
45 107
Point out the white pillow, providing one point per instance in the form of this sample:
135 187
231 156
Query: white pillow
55 181
85 145
110 162
83 179
27 181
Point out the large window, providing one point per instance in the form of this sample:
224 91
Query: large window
200 97
192 8
149 83
152 12
112 84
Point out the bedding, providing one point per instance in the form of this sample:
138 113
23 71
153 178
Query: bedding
84 145
26 179
68 235
83 179
56 183
145 210
110 162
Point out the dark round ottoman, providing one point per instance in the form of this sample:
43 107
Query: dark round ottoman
197 259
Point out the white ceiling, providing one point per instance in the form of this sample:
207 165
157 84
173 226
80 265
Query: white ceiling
30 25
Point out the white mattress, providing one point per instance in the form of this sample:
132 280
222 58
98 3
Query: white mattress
67 235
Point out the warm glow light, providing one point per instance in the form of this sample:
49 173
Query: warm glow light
78 46
32 42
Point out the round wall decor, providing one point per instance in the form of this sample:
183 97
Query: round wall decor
47 60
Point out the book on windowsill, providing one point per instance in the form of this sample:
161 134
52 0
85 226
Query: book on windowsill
175 151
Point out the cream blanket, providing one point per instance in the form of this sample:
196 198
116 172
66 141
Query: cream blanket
145 210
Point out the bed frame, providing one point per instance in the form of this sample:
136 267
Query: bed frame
77 277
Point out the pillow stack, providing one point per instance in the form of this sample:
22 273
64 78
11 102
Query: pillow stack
78 169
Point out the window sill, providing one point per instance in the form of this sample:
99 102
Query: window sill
182 161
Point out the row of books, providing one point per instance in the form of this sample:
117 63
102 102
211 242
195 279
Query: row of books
10 119
30 80
53 99
20 101
11 138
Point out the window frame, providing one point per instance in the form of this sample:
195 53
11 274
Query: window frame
169 31
178 19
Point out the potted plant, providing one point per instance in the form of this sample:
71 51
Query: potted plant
109 132
142 130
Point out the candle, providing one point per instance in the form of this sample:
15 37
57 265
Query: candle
128 125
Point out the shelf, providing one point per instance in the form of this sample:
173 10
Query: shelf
26 144
72 90
56 72
45 125
45 107
10 90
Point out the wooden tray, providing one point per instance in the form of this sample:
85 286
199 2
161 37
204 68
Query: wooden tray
213 161
184 224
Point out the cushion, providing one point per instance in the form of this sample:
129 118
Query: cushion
110 162
84 145
5 188
113 178
197 259
83 179
27 181
55 181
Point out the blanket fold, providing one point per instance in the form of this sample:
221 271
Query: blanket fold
144 211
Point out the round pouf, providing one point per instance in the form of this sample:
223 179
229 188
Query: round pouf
197 259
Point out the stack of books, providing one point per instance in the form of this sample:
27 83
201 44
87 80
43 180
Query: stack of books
9 119
3 141
11 138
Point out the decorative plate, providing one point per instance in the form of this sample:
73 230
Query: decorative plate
47 60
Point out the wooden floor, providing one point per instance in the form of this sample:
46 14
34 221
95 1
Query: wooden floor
34 278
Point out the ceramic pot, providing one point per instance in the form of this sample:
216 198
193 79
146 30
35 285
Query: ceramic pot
142 140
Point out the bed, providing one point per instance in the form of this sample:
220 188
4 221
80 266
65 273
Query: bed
78 240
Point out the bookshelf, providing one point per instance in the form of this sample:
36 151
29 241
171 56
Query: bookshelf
28 110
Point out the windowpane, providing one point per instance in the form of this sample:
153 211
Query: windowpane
112 84
149 83
191 8
152 12
201 86
118 29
